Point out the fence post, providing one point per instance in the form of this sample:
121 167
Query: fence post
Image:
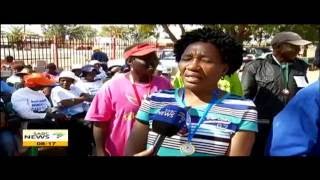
54 48
113 48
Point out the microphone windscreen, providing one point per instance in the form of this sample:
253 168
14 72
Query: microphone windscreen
169 120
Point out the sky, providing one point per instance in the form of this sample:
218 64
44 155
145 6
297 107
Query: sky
36 28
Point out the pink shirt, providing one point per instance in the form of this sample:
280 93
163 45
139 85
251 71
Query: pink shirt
116 104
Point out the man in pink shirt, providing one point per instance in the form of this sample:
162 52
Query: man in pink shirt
115 105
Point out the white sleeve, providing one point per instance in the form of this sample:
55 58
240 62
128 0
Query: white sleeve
77 91
56 96
81 86
21 105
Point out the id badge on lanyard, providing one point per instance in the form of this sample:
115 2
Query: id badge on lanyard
188 148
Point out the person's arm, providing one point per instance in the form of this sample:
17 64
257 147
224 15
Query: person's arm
137 141
295 130
243 140
59 98
249 84
72 101
99 134
23 108
241 143
100 113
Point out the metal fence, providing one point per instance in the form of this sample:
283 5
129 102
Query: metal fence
63 53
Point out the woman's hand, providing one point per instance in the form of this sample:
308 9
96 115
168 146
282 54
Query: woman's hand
147 152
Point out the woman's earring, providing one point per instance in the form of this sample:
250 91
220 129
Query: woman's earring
222 77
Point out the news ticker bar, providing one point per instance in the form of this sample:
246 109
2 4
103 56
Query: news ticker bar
45 138
44 144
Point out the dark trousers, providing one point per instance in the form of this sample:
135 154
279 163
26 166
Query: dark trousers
261 140
80 136
8 143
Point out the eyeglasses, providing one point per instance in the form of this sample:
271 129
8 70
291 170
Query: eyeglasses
149 64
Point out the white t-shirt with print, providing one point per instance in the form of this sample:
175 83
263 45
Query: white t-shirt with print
58 94
102 76
89 87
14 79
30 104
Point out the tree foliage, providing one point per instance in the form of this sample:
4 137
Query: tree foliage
73 31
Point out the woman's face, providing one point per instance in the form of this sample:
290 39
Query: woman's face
97 66
77 72
145 66
90 76
65 82
201 66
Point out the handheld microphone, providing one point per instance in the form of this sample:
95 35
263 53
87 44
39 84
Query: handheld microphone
167 122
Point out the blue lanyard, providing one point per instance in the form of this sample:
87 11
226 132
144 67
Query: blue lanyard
212 102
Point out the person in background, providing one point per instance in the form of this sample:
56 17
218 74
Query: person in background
97 65
69 100
5 88
99 55
295 130
68 97
76 69
14 79
32 105
7 63
52 71
8 141
273 81
163 71
113 108
88 84
227 83
25 71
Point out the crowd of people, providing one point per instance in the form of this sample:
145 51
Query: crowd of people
109 111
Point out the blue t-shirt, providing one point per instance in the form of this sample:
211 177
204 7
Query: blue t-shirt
295 130
5 88
214 135
100 56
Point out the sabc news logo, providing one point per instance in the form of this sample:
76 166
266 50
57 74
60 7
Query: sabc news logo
38 137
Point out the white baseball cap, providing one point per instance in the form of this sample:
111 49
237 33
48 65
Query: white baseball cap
93 62
76 66
68 74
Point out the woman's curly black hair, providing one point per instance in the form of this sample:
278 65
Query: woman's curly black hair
230 50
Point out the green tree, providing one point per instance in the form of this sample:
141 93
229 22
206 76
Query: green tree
306 31
74 31
241 32
81 32
58 30
16 36
115 31
142 32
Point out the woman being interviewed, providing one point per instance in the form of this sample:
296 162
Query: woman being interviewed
221 123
